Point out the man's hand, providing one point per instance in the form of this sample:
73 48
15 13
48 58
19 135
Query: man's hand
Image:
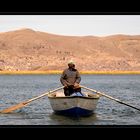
76 85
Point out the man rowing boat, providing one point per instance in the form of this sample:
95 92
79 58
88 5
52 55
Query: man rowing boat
70 79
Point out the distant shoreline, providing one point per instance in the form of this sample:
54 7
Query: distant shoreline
60 72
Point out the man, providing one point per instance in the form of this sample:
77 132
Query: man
70 79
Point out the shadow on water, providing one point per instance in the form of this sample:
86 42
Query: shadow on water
68 120
43 116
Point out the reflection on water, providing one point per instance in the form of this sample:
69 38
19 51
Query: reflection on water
18 88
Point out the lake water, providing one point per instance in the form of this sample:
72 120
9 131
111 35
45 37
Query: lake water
17 88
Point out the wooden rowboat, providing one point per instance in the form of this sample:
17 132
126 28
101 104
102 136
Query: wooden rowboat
73 105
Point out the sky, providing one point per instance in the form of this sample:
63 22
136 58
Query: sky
74 25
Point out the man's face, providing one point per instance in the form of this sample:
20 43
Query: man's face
71 65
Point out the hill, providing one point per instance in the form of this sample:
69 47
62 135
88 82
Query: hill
26 49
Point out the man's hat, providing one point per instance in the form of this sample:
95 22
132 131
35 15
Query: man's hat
71 62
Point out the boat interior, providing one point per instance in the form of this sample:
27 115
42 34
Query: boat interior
61 94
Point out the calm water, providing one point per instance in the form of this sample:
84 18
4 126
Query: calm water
17 88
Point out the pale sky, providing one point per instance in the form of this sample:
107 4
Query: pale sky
75 25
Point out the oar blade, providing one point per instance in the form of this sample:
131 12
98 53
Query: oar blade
12 108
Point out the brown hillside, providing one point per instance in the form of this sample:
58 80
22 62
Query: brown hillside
27 49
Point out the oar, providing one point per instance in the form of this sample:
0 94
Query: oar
22 104
103 94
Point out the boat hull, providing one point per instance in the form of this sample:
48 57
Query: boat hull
74 105
75 112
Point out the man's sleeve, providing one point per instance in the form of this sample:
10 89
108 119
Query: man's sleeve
78 77
62 79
